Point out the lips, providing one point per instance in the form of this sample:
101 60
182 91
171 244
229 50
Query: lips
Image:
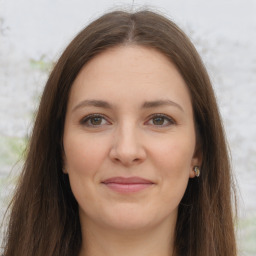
127 185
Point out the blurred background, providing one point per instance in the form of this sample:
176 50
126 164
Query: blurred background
34 33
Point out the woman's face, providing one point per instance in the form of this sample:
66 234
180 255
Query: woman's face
129 139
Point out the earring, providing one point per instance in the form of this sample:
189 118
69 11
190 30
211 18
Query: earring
197 171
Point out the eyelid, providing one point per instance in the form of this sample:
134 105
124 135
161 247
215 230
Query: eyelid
167 117
87 118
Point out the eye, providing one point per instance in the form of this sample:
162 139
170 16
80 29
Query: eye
160 120
94 120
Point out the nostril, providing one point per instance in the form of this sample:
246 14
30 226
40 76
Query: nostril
126 161
116 159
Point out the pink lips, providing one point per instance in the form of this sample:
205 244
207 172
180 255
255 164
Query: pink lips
127 185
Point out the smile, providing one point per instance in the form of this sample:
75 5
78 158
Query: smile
127 185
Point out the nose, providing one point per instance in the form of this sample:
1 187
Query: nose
127 146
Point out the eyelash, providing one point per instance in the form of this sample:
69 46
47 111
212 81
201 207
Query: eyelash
167 118
89 118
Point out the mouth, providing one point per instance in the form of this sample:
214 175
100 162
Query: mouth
127 185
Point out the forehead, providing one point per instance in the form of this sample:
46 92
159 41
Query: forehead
134 73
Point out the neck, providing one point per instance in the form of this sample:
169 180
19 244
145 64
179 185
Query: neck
99 241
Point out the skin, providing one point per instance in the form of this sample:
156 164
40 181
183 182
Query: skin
130 138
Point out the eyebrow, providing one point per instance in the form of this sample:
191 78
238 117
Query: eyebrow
147 104
93 103
159 103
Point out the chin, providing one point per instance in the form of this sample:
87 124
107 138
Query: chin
123 219
135 219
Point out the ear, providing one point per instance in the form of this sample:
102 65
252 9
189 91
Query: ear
196 161
64 169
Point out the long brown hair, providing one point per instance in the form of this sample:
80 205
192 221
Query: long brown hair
44 216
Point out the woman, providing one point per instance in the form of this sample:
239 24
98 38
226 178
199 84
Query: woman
127 155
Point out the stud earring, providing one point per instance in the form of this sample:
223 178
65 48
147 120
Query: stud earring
197 171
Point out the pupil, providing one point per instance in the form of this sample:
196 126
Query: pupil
96 120
158 120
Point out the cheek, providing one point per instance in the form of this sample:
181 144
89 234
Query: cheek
175 155
83 154
173 161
